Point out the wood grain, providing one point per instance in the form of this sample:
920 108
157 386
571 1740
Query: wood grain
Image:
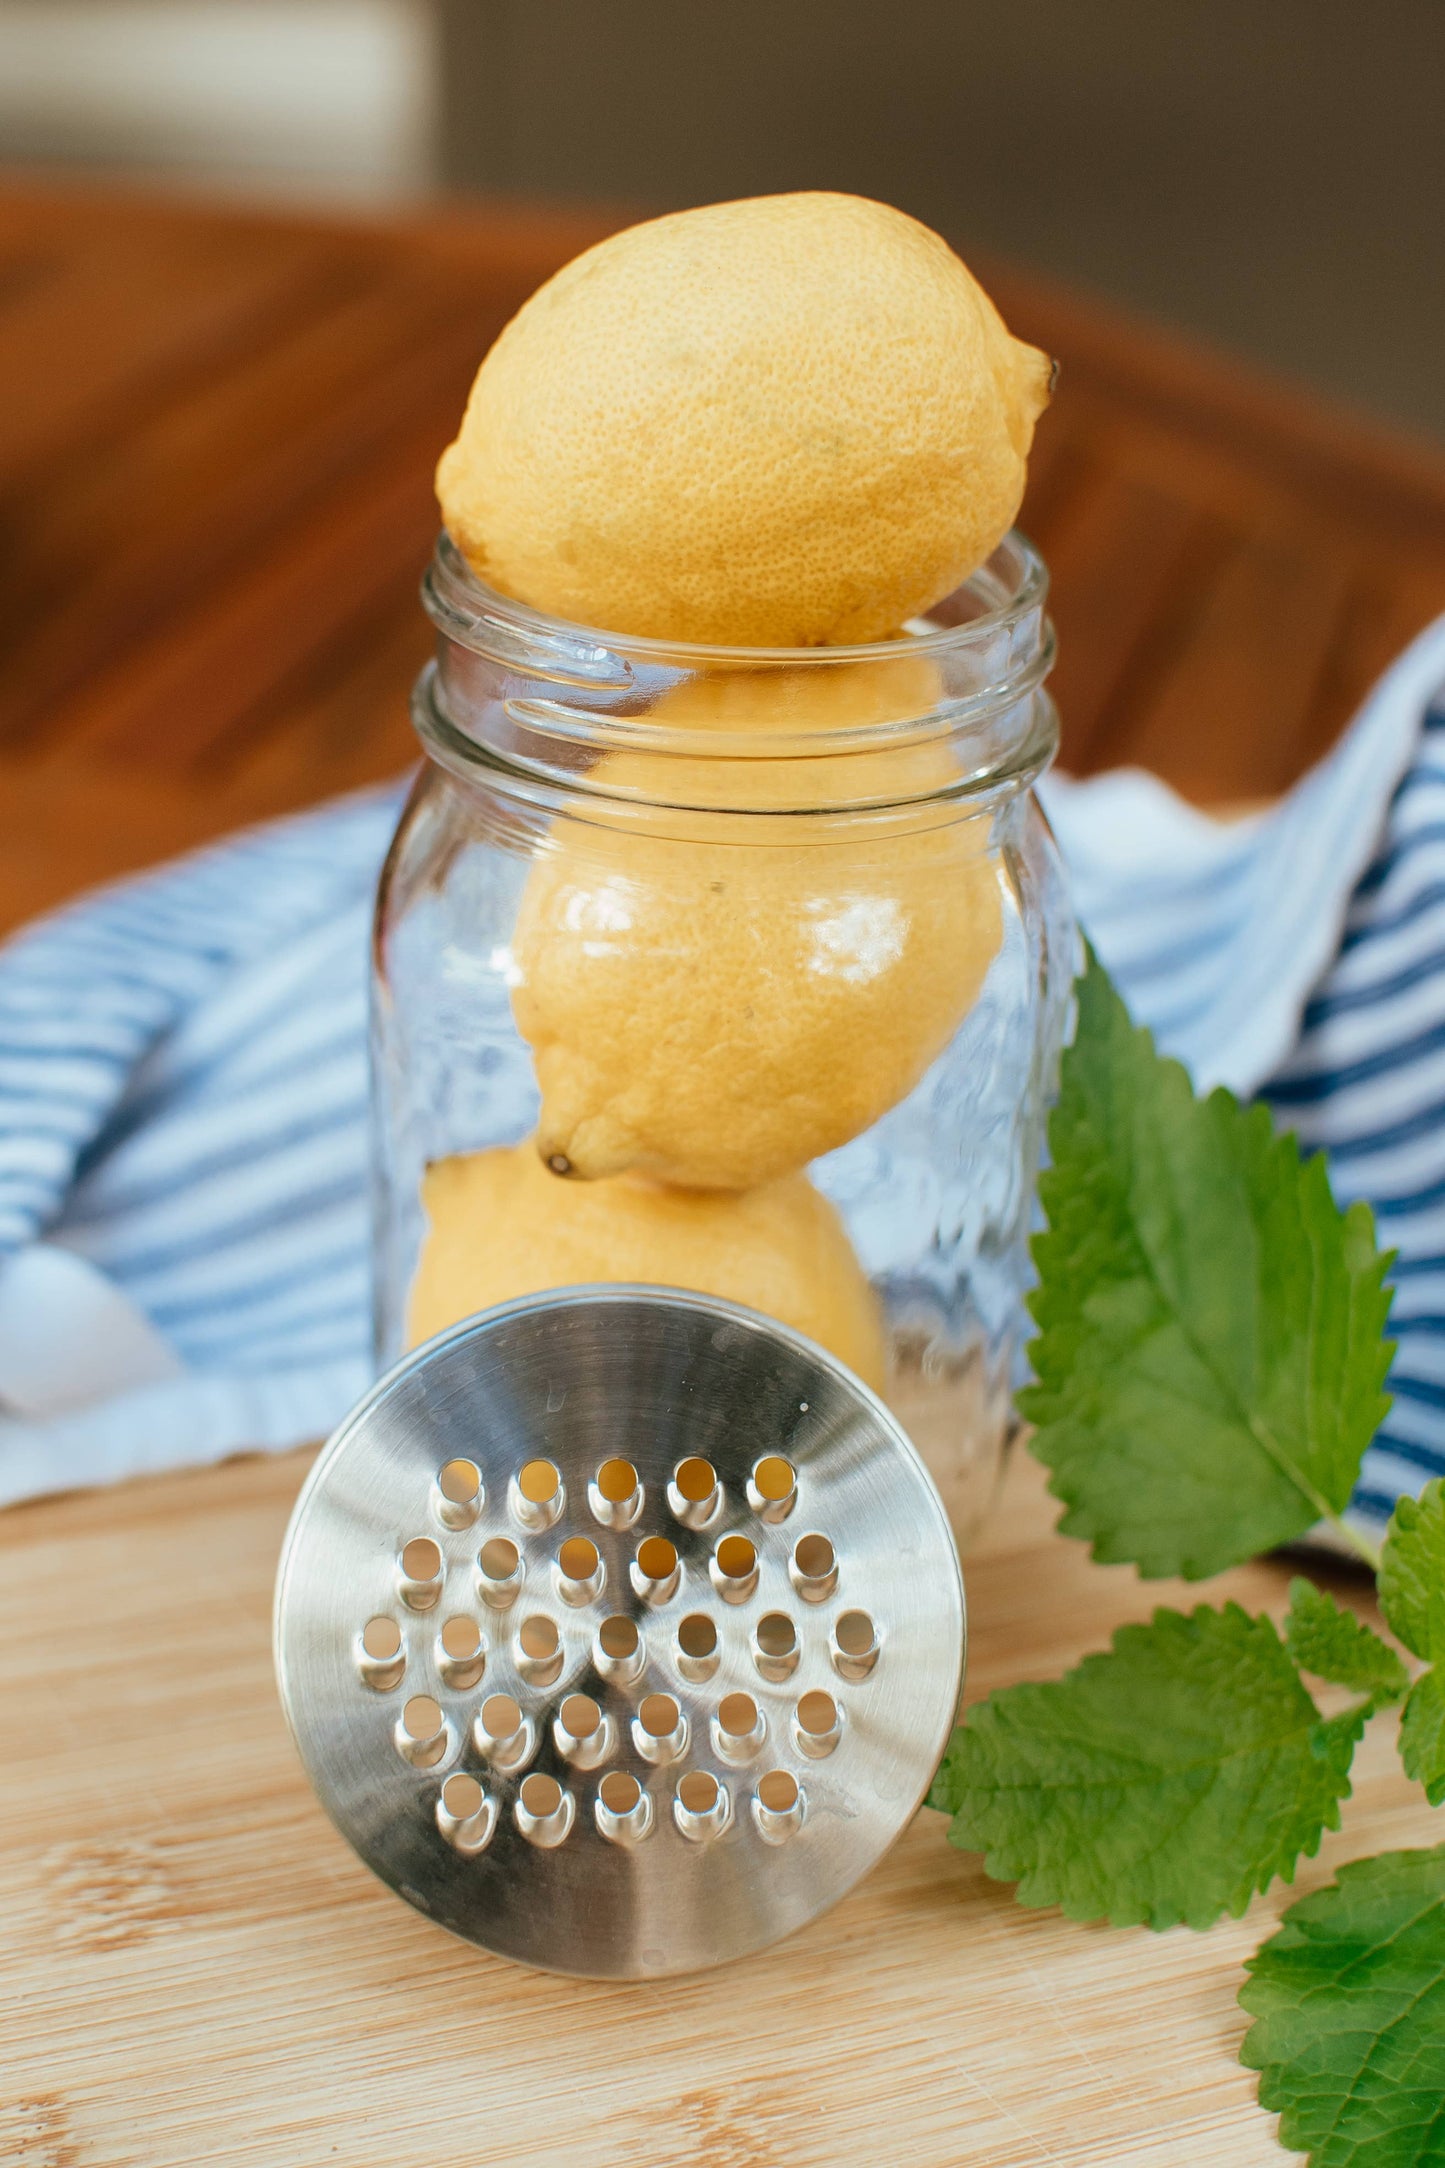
197 1971
217 431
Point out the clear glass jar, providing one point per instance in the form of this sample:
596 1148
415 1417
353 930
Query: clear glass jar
779 928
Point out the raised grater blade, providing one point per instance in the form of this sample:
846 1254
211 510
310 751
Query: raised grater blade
620 1631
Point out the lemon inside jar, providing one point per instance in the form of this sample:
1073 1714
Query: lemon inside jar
716 1001
500 1226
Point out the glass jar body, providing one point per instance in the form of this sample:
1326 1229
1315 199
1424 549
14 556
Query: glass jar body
758 988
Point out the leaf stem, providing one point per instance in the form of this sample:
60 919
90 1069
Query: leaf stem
1371 1553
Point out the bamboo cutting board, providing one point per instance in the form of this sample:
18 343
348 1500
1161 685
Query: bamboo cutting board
194 1969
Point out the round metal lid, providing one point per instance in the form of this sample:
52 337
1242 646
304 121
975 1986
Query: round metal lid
620 1631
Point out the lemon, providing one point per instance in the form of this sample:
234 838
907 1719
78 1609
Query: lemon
790 421
500 1226
778 738
715 999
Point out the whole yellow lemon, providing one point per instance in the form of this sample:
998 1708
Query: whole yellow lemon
789 421
500 1226
714 998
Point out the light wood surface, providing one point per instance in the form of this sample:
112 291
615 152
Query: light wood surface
217 432
194 1969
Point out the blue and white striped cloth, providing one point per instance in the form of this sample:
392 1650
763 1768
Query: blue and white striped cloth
183 1196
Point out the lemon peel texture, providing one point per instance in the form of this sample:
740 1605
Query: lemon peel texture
714 999
791 421
500 1226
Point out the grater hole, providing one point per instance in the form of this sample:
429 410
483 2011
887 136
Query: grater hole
778 1791
814 1557
580 1716
854 1633
775 1478
541 1795
498 1558
501 1717
655 1571
421 1560
736 1557
659 1715
776 1635
578 1558
620 1792
617 1481
460 1482
738 1715
539 1638
697 1480
461 1796
461 1637
381 1639
817 1715
539 1482
698 1791
581 1734
422 1717
773 1486
618 1637
697 1635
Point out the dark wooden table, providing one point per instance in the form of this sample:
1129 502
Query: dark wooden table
217 431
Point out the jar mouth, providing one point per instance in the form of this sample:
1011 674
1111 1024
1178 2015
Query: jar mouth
952 707
1011 585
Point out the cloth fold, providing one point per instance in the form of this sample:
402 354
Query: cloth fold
184 1248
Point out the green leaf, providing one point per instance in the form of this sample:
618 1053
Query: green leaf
1335 1645
1412 1573
1412 1597
1349 2006
1167 1780
1209 1359
1422 1735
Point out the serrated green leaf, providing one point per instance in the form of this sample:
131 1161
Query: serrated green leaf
1412 1573
1209 1359
1412 1597
1349 2007
1335 1645
1422 1735
1164 1781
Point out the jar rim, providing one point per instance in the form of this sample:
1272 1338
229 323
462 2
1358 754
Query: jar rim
466 610
536 703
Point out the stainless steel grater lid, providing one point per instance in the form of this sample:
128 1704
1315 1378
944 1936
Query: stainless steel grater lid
620 1631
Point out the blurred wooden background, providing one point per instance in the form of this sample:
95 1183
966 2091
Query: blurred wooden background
217 432
1270 177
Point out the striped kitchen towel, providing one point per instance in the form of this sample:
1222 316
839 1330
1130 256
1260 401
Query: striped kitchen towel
183 1213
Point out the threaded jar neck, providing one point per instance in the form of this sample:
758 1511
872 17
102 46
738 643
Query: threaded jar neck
954 707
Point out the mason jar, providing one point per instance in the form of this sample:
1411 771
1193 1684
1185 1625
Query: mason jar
733 969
